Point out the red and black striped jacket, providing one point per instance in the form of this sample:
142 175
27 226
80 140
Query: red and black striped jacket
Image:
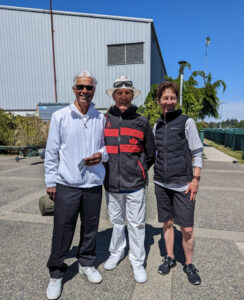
130 144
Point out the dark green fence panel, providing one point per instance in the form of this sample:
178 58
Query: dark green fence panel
201 135
232 138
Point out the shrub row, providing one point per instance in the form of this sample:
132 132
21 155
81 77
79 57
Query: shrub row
22 131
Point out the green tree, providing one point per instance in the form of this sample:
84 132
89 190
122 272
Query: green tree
212 125
230 123
241 124
198 102
192 97
201 125
7 126
30 131
22 131
183 66
150 109
210 100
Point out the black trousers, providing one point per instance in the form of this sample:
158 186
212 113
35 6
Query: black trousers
69 202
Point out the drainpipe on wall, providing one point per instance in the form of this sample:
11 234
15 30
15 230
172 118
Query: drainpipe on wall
53 50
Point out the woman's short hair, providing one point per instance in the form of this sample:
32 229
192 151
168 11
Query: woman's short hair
167 85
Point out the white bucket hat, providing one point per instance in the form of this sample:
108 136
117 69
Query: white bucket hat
123 82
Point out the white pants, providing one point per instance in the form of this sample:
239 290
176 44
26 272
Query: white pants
131 206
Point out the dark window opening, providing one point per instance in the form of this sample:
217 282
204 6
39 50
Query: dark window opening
123 54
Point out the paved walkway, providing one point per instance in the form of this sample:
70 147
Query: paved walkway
219 241
213 154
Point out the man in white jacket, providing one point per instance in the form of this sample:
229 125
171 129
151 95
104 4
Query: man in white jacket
74 175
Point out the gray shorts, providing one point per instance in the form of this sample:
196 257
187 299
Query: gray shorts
174 205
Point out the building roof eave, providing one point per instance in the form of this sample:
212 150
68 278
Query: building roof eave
59 12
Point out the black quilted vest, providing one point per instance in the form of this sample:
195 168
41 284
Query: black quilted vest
174 161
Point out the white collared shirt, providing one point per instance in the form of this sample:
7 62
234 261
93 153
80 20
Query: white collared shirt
73 137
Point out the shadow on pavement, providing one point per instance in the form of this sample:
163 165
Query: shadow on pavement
37 163
149 241
71 271
102 253
103 241
206 145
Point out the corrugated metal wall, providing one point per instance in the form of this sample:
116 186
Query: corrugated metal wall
157 68
26 73
84 41
25 59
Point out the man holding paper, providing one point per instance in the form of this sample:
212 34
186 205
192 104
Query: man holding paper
74 175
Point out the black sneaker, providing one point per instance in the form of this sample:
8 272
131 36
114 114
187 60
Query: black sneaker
192 275
167 265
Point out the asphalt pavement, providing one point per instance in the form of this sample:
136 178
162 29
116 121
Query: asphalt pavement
219 240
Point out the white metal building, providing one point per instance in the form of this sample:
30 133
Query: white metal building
108 46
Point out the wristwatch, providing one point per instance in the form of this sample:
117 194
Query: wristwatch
196 177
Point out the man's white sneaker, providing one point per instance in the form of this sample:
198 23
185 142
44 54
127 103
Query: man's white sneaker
112 262
140 274
54 288
92 274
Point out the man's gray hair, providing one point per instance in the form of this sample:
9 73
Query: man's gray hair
85 74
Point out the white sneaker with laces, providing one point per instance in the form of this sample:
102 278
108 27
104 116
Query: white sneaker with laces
112 262
54 288
92 274
140 274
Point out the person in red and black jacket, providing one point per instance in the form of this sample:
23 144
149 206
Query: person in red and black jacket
130 145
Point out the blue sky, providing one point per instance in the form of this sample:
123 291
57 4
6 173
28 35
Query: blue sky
182 27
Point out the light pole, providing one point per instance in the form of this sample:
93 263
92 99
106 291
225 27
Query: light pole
182 64
208 41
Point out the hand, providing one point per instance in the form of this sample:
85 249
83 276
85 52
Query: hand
93 160
51 191
193 188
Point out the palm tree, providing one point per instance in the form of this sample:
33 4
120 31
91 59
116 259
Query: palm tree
202 102
210 101
183 66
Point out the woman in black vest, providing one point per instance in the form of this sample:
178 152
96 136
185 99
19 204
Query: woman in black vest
179 151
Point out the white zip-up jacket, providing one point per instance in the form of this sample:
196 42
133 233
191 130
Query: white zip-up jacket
73 137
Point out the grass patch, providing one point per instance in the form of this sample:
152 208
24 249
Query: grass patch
236 154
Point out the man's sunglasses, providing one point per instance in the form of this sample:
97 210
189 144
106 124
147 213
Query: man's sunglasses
121 83
82 86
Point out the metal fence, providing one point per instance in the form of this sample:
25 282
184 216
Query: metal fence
232 138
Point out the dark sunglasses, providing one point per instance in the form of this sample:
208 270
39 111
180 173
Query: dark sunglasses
121 83
82 86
